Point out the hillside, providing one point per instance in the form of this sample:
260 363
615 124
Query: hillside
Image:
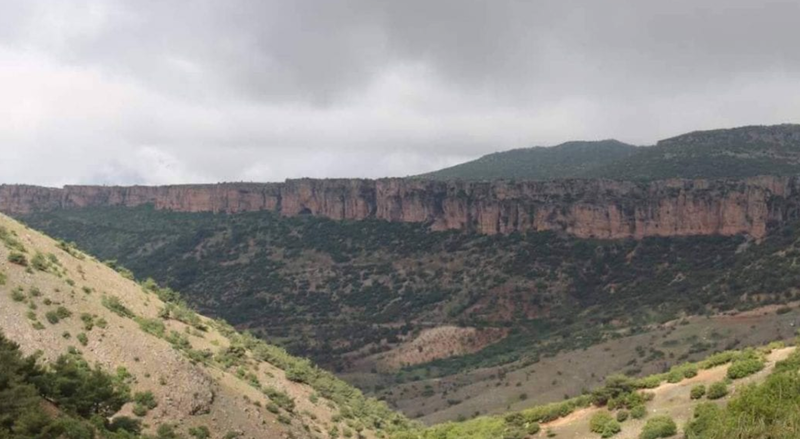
726 153
747 394
567 160
118 359
169 369
411 315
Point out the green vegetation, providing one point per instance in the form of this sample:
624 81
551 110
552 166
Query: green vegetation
745 366
83 395
698 391
604 424
113 304
767 410
369 285
10 240
659 427
717 390
18 258
568 160
144 402
734 153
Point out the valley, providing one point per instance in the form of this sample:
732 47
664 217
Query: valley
451 302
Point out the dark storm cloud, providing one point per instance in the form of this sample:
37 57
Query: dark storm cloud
169 91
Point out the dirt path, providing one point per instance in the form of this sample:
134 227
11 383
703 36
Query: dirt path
670 399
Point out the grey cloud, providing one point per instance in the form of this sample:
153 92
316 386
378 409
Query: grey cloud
211 90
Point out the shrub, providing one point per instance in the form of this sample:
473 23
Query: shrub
10 241
18 258
638 412
17 295
697 391
63 313
718 359
145 401
705 416
52 317
622 415
200 432
744 367
152 326
167 431
598 421
39 262
113 304
88 321
717 390
3 278
659 427
82 339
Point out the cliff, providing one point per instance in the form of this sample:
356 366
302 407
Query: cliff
604 209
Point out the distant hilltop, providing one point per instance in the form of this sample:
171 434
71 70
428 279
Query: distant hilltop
728 153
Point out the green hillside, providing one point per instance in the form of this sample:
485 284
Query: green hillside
345 293
726 153
568 160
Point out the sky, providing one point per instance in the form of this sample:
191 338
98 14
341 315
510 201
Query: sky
193 91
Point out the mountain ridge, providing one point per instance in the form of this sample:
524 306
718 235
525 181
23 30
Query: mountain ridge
604 209
739 152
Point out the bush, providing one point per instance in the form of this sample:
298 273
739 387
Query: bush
638 412
18 258
116 306
717 390
63 313
17 295
52 317
82 339
705 416
603 424
744 367
659 427
200 432
622 415
39 262
697 391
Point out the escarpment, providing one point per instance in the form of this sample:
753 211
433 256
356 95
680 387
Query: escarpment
605 209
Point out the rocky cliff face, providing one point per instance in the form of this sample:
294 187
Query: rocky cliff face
585 208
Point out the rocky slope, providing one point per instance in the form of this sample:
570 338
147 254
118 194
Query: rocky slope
202 373
603 209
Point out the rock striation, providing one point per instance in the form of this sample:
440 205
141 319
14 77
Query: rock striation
604 209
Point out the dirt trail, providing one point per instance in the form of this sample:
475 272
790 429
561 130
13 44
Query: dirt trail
670 399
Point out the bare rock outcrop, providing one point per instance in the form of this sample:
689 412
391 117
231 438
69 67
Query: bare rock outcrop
605 209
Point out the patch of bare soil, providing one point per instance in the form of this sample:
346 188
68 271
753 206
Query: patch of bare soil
435 343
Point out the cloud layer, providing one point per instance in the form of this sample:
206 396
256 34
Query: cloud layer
154 92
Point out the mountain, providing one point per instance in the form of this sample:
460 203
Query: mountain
725 153
730 153
111 347
567 160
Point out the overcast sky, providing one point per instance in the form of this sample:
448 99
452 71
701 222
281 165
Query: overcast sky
170 91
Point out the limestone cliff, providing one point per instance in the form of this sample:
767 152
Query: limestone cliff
585 208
